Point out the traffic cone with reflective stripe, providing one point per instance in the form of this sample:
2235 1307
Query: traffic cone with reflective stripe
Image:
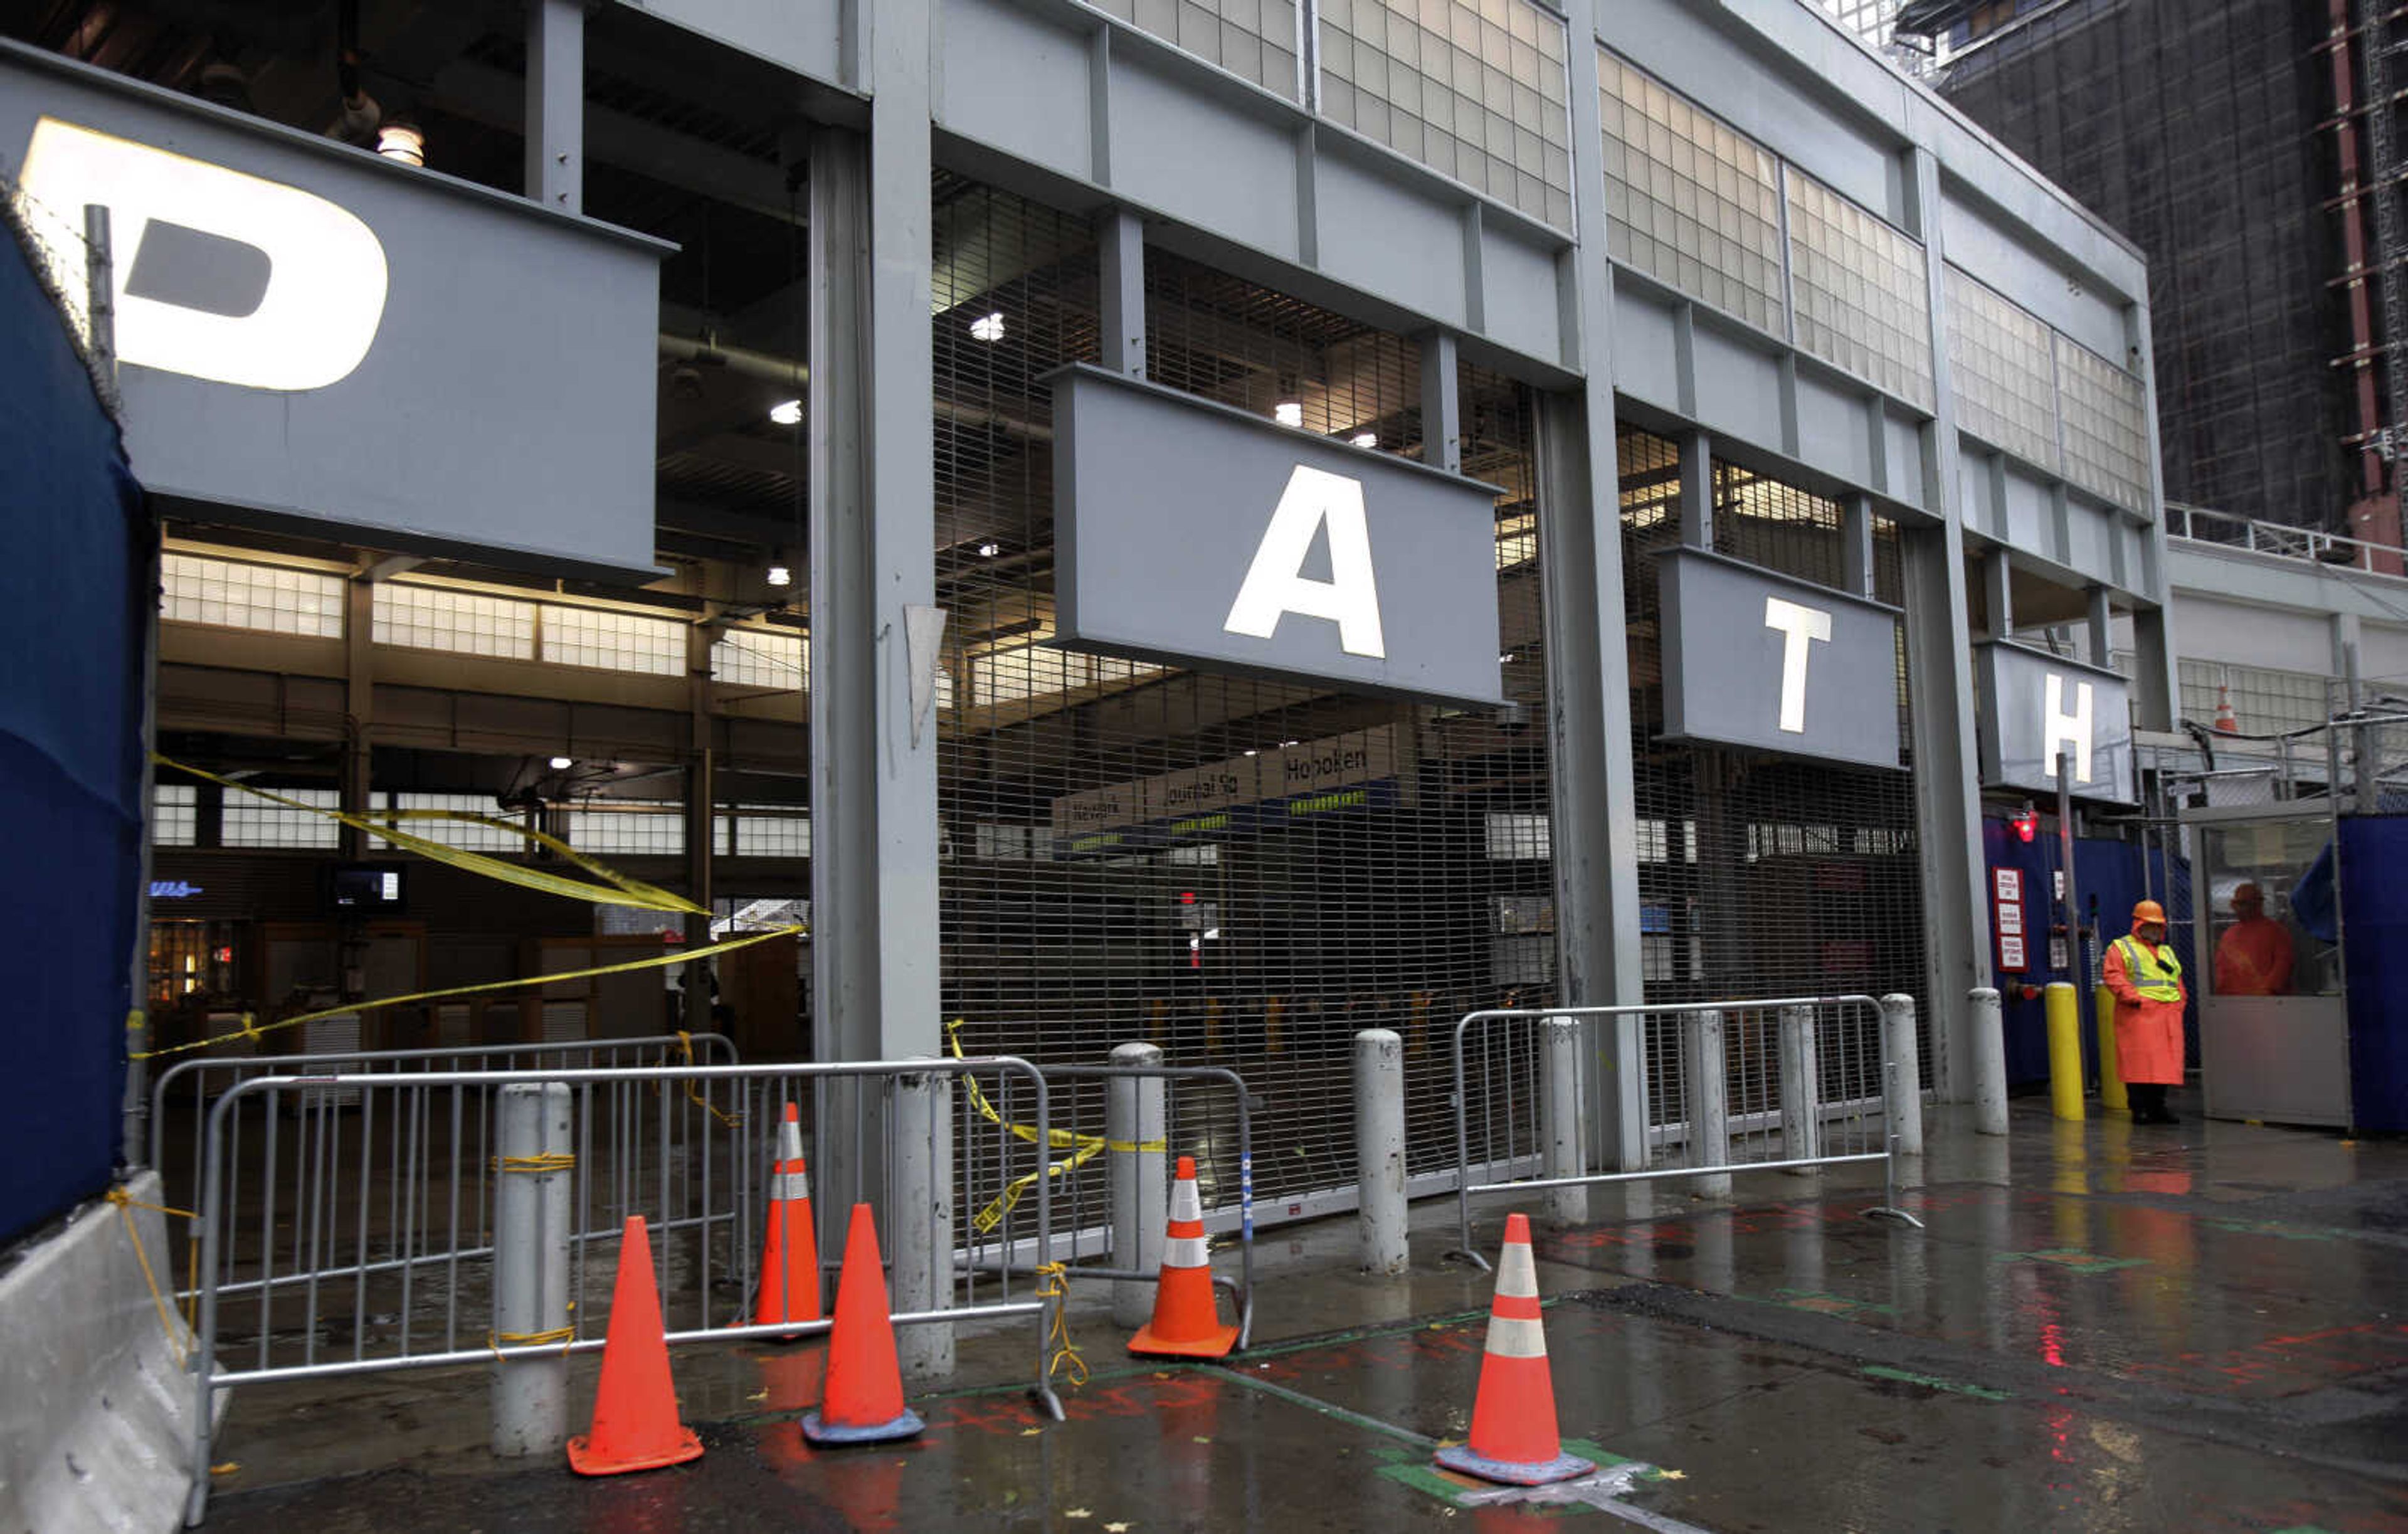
1513 1416
636 1425
864 1399
1185 1323
790 1256
2226 723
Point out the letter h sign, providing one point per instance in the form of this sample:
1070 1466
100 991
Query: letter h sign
2063 731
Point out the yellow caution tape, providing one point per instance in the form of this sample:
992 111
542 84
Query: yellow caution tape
685 1047
259 1031
1053 1284
1084 1148
617 889
545 1161
126 1204
498 1340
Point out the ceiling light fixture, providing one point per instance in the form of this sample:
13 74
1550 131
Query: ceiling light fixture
779 575
562 763
1287 412
787 412
990 549
987 328
404 141
1365 439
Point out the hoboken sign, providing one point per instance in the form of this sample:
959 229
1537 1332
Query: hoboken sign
1196 535
1311 778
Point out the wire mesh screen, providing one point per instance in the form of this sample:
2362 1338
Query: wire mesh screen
1324 862
1759 875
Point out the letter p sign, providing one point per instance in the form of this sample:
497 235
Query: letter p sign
220 275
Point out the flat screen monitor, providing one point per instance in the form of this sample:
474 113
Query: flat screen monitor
368 887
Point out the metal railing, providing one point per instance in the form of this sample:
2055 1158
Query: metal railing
342 1247
2202 525
1779 1084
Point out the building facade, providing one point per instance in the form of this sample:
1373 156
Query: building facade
1555 493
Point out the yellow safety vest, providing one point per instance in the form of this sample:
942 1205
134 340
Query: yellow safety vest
2156 975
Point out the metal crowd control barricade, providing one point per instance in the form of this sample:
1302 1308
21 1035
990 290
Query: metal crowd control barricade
374 1284
333 1131
1218 1134
1779 1084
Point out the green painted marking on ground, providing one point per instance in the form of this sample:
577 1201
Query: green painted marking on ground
1819 1302
1428 1479
2303 1528
1883 1372
2270 1228
2076 1258
1337 1413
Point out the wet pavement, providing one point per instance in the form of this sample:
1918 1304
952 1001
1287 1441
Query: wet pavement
2102 1329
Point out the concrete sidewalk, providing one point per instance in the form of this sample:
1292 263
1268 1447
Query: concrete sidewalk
2103 1328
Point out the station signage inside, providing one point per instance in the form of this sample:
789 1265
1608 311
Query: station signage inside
1193 533
1303 781
1760 660
312 335
2036 706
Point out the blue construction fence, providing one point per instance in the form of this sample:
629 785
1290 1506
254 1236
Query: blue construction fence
73 598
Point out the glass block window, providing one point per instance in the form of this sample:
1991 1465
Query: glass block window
761 658
249 821
466 835
1034 670
1859 288
1999 365
2106 416
1005 843
462 622
769 830
614 642
1689 201
1514 837
1253 39
174 814
194 589
1473 89
631 826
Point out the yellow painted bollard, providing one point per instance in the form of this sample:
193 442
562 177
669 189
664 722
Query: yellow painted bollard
2111 1076
2064 1050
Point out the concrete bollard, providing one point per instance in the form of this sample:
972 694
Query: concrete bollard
1133 1116
2064 1050
1899 1045
1801 1119
1989 1061
1379 1148
530 1396
1708 1111
1561 1130
2112 1095
922 1234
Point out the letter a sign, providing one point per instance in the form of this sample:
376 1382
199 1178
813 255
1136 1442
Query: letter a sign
1275 583
1194 535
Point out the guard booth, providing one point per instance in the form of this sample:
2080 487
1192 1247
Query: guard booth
2301 1015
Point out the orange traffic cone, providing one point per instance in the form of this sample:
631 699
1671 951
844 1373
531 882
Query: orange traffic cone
2226 723
864 1399
789 1257
1185 1323
1513 1416
636 1425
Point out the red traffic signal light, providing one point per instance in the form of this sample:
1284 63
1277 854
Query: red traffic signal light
2026 825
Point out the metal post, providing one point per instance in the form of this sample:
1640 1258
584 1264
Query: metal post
555 105
530 1395
1801 1123
1709 1115
1989 1062
1133 1122
922 1220
2064 1052
1380 1149
1898 1045
2365 762
1560 1129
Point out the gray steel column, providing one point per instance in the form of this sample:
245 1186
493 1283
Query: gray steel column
1697 491
1561 1138
2102 627
1940 670
1120 250
1441 403
2157 696
530 1396
921 1225
1999 593
1379 1151
1857 546
555 105
701 819
1707 1088
1593 826
1800 1085
872 493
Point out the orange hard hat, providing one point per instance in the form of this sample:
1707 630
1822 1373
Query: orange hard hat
2148 911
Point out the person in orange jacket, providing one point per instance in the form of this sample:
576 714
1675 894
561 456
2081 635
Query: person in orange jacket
2146 978
2253 958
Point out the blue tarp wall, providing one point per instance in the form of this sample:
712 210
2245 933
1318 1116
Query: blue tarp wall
2375 926
71 617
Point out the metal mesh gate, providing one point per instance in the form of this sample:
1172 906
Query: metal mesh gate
1242 871
1760 875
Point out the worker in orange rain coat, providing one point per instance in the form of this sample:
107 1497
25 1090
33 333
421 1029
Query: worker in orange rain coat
2253 958
2146 978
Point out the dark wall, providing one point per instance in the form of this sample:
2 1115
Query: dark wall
70 758
2191 126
